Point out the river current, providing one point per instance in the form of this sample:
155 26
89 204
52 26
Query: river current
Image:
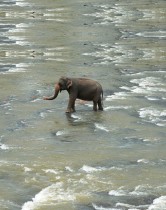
110 160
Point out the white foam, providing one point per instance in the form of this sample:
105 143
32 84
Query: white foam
4 147
68 168
117 193
21 67
22 25
53 171
16 30
14 70
142 161
157 34
102 208
90 169
60 133
49 15
117 107
140 190
115 168
26 169
22 43
148 13
43 115
36 100
89 105
128 206
152 98
22 3
54 19
146 85
75 116
6 105
56 9
144 112
52 194
153 115
158 204
161 124
16 38
152 139
56 59
117 96
101 127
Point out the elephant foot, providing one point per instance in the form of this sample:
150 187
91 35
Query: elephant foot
95 109
70 110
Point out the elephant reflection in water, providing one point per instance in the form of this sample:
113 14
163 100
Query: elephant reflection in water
81 88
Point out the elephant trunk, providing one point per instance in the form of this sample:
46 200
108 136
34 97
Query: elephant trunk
57 89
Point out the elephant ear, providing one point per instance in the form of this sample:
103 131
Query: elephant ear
69 83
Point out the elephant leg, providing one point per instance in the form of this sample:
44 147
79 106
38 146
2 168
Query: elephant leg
94 106
100 105
71 105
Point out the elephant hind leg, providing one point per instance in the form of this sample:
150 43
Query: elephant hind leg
100 104
94 106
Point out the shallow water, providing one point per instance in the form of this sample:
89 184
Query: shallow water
106 160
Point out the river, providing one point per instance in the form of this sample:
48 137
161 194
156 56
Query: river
110 160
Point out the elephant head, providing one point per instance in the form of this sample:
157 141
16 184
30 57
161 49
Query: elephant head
64 83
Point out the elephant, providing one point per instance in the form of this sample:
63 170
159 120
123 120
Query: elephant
81 88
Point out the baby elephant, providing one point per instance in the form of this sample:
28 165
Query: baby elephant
81 88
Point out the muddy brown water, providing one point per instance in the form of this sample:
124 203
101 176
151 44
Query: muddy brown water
113 159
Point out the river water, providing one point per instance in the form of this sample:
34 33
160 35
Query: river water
107 160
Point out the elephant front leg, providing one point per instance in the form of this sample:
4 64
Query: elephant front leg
71 105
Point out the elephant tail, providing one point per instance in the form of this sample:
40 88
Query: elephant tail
102 97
